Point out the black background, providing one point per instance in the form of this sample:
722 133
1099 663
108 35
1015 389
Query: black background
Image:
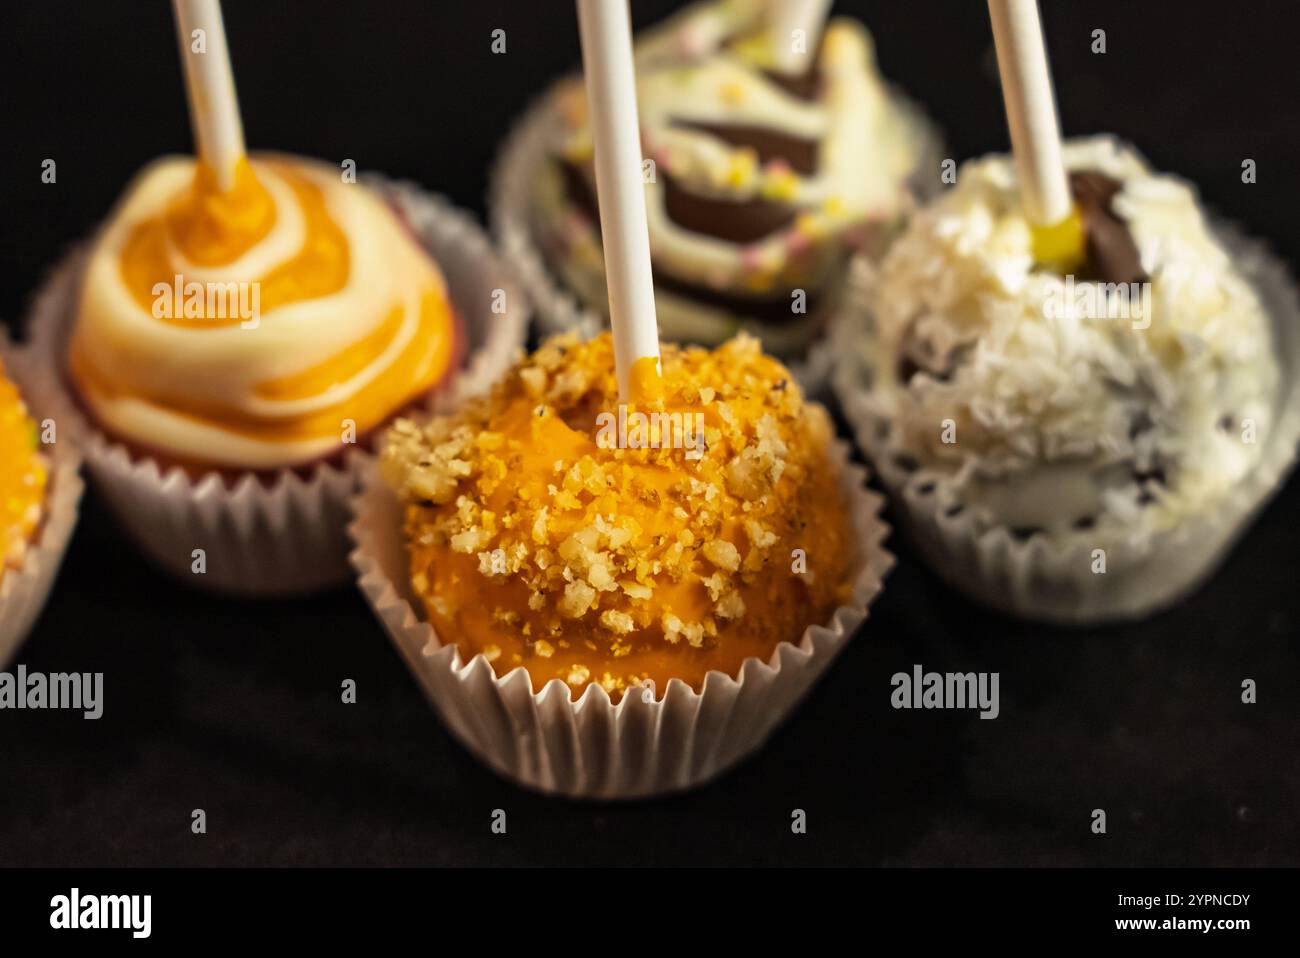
235 707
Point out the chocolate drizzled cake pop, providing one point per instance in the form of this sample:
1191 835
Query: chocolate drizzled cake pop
759 182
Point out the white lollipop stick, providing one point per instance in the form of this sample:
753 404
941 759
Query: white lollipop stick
620 190
214 109
1031 110
787 16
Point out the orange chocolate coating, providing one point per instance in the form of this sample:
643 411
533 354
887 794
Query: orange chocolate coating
539 537
257 327
22 477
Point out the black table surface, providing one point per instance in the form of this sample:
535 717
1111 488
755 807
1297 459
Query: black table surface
234 707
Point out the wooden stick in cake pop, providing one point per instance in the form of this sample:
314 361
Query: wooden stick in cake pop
787 16
1036 132
214 108
606 33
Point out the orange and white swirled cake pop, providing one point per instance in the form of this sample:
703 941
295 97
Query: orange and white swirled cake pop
23 477
547 532
253 328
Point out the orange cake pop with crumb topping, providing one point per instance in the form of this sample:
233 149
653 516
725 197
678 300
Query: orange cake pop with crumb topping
22 477
549 528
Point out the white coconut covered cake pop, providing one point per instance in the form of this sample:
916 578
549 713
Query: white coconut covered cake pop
1077 406
762 183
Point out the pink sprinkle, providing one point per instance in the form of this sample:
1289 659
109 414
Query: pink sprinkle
798 243
579 223
691 42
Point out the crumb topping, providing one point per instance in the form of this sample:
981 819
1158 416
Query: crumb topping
22 478
593 542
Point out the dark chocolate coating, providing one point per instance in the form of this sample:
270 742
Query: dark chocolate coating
802 86
770 310
743 222
725 219
1112 253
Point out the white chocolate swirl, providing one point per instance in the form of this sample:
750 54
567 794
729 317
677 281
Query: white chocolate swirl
354 323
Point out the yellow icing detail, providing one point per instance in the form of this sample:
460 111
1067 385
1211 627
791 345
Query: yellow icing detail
756 48
1062 246
741 168
580 150
645 384
780 183
805 224
22 478
212 227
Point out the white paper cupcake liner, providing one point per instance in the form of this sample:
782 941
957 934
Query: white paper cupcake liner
23 591
593 748
1036 579
511 201
280 532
